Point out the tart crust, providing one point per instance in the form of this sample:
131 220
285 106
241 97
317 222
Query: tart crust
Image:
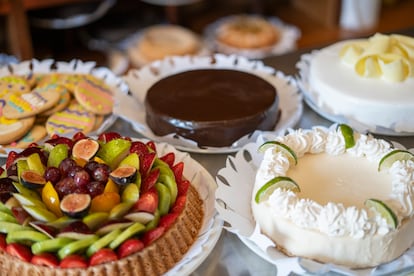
156 259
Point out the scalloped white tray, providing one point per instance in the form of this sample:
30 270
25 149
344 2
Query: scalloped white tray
46 66
132 108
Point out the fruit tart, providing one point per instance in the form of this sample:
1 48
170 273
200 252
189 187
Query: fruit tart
105 206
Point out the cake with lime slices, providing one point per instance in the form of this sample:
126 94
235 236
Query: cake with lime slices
105 206
200 104
369 81
335 196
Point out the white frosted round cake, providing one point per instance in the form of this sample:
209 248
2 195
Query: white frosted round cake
336 204
370 81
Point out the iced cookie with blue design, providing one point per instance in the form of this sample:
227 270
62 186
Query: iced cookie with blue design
32 103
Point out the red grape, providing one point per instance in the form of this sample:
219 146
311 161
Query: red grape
52 174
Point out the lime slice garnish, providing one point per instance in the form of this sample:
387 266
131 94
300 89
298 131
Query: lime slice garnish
280 147
348 134
383 210
392 156
282 182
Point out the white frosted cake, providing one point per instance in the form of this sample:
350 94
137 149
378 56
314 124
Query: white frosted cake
330 218
370 81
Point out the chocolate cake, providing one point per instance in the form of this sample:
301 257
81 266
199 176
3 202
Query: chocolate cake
214 107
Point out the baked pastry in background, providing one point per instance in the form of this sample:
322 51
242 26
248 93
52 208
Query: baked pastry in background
160 41
248 32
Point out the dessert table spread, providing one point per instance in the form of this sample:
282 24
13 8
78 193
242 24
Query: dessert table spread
230 256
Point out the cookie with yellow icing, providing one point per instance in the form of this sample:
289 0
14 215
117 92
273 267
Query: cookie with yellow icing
13 83
12 130
32 103
72 119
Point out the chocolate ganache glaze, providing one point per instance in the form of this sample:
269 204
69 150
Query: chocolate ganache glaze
214 107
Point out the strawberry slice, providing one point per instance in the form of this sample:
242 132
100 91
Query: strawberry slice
11 158
179 204
45 259
182 187
60 140
152 235
178 171
103 255
3 243
20 251
108 136
74 261
79 136
152 146
146 162
1 170
169 158
167 220
138 148
20 214
129 247
147 202
149 181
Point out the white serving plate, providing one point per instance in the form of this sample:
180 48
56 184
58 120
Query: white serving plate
132 109
46 66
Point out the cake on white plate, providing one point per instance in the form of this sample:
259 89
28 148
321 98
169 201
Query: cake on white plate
336 196
369 81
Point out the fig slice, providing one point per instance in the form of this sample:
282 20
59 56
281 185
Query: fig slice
85 149
75 205
32 179
123 175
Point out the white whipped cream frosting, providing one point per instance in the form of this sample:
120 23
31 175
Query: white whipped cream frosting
334 219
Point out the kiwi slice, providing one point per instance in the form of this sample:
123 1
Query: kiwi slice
164 197
132 230
7 217
76 246
26 236
103 242
51 245
8 227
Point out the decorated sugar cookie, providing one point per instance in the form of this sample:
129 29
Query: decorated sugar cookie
34 135
94 96
73 118
32 103
13 83
71 81
12 130
63 102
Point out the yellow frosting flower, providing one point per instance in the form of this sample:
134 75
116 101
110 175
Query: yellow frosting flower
390 57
